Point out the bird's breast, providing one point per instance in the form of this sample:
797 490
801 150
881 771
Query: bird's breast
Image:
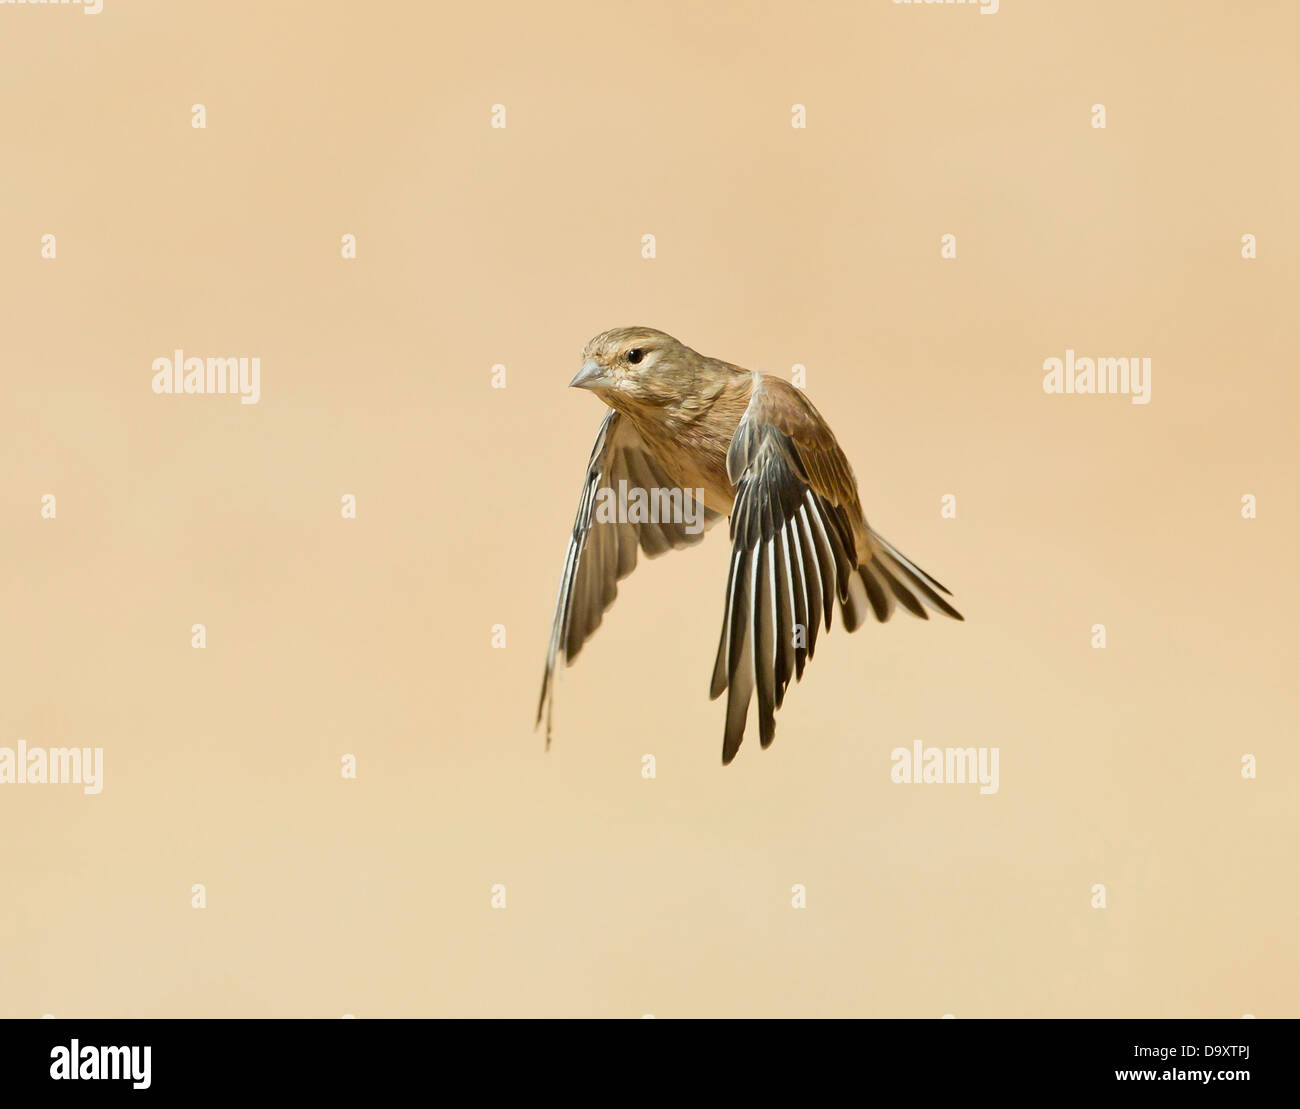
693 456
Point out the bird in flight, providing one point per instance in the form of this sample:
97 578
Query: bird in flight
752 447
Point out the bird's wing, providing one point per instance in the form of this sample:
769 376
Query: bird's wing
796 526
799 541
600 553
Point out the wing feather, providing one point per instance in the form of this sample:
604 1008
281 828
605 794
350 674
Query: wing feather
799 542
601 554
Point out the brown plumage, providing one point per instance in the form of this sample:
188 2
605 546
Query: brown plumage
763 455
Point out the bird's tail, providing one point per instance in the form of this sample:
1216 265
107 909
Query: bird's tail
888 577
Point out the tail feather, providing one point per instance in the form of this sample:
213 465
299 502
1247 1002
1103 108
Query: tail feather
881 597
890 574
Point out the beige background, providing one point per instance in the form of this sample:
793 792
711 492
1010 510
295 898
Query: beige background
775 246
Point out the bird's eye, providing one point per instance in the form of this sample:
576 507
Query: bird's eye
635 355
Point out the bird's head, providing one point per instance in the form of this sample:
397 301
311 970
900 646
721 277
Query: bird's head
637 367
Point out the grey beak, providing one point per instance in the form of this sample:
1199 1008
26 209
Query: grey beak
591 376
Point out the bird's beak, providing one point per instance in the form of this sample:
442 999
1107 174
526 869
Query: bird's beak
591 376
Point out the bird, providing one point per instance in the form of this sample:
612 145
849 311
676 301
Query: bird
751 447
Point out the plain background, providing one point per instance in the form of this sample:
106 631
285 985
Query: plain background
776 246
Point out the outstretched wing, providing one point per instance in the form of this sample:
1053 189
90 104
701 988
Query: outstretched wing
602 553
799 542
